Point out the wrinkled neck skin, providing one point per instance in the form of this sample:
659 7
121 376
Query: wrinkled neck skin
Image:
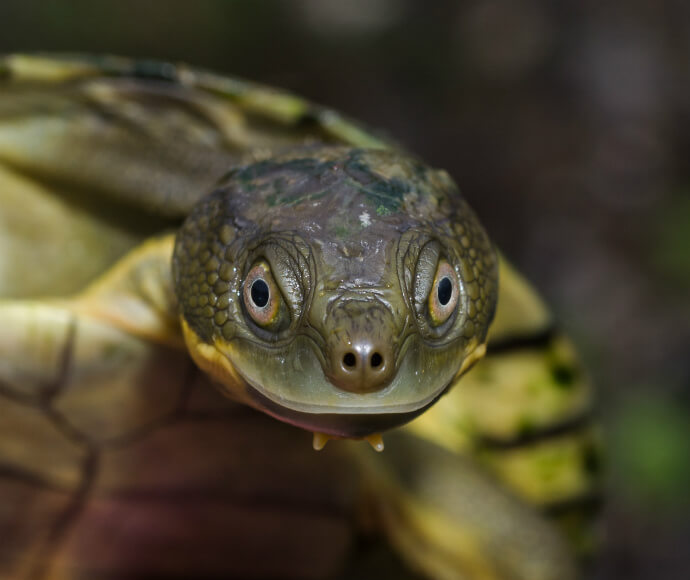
352 331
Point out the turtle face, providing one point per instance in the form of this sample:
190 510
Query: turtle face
340 290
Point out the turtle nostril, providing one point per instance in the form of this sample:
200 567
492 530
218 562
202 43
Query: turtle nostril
376 360
349 360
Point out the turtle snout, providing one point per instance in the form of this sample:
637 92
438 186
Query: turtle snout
361 365
361 353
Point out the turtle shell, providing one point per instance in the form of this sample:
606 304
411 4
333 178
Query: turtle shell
70 209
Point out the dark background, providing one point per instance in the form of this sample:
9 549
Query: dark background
567 125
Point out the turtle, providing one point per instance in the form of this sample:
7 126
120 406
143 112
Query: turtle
202 281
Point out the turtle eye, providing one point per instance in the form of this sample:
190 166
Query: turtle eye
443 297
262 298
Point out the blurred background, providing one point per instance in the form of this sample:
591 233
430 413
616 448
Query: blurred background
566 124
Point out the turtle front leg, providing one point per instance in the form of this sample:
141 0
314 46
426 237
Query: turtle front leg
451 520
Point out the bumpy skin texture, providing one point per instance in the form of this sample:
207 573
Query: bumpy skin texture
353 238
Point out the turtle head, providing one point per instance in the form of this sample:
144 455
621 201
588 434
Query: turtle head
340 290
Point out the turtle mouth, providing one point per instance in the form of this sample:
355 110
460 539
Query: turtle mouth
346 425
288 382
293 387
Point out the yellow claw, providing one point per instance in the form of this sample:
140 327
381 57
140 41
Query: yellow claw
376 441
320 440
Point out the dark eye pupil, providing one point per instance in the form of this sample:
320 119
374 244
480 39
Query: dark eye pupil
260 293
445 291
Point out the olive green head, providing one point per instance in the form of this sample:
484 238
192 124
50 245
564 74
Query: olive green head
341 290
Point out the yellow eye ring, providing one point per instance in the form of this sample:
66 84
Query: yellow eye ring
444 294
261 296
